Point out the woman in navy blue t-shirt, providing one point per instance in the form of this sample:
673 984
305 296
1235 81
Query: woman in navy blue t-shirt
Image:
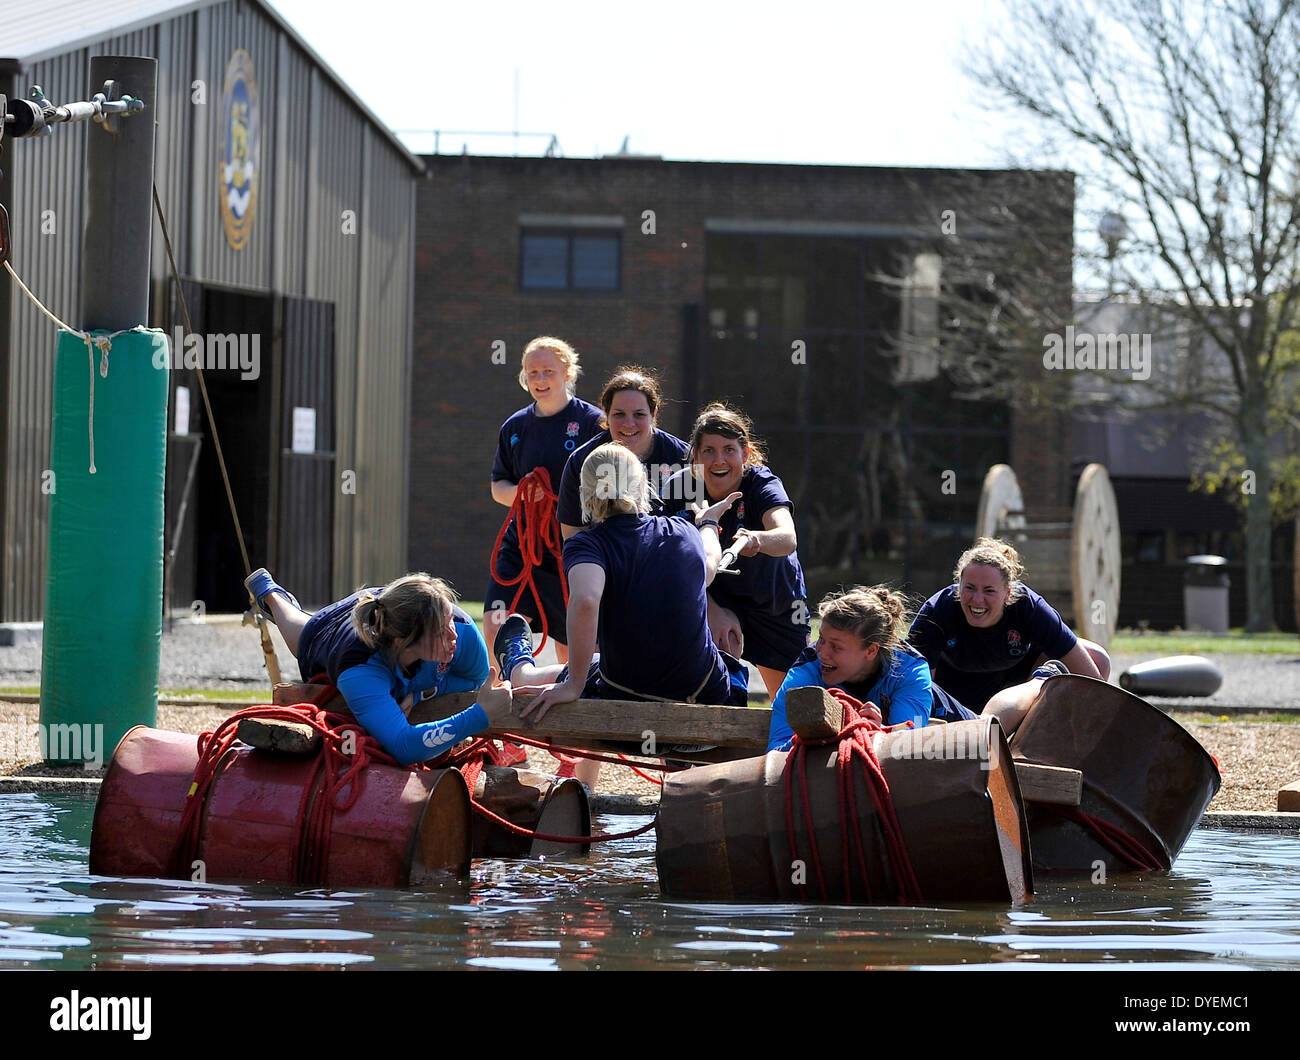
631 401
988 632
637 583
541 435
759 607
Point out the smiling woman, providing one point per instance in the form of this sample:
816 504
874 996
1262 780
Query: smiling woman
758 608
861 649
630 400
988 631
540 435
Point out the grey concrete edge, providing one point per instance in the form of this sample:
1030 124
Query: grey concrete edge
1252 821
629 804
45 785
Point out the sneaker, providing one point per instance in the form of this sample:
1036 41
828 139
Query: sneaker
261 585
511 754
1051 668
513 645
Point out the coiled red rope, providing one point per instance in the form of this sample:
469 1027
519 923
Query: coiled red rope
538 530
855 761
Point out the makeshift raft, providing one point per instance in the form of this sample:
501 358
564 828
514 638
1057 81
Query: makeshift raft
1094 774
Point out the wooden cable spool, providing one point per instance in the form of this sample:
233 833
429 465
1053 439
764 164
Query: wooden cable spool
1071 556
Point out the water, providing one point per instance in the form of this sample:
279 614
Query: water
1232 901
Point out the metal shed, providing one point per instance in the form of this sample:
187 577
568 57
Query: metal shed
309 260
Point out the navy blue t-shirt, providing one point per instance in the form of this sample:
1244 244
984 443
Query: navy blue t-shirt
667 456
973 664
529 441
653 628
768 583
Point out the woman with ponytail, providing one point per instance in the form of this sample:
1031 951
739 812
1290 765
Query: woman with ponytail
386 647
860 649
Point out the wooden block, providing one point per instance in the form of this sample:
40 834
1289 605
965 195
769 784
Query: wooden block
283 737
1288 798
1052 784
813 713
589 722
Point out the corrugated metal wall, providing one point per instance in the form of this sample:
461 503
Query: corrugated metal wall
319 157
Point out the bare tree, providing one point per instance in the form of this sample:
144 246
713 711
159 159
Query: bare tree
1184 117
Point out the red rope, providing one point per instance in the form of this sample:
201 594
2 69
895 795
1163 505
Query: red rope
335 782
593 756
538 530
854 749
1110 836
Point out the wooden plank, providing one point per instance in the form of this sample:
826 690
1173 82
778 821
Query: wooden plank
1052 784
587 720
1288 798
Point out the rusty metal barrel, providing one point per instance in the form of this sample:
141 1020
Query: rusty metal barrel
404 829
722 829
1143 773
536 801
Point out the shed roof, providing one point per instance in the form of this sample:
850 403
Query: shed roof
33 32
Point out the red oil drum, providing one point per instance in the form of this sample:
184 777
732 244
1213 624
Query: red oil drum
403 828
1142 773
722 829
537 801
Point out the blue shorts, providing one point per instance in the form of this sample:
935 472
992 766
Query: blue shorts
947 708
772 641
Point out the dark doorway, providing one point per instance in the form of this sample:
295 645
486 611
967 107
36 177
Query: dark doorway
241 397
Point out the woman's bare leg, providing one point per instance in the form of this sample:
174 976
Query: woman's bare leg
289 620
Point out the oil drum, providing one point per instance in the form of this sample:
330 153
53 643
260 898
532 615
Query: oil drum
403 829
1143 774
722 829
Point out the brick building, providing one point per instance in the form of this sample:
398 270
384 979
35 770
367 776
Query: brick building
806 295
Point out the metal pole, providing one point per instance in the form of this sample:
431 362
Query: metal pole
119 185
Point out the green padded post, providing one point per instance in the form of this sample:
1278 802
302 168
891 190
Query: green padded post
104 570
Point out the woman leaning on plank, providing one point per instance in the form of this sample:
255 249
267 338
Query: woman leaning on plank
384 648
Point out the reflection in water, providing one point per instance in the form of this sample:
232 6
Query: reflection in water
1230 902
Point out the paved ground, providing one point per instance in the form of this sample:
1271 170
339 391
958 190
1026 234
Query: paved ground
219 653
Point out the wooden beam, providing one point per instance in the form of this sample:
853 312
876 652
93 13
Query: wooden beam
1052 784
1288 798
602 720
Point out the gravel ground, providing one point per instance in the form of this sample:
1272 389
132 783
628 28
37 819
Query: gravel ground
1256 757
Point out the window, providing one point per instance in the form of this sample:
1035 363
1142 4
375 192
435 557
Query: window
573 259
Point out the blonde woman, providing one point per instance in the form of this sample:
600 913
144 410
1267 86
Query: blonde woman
385 647
541 435
637 584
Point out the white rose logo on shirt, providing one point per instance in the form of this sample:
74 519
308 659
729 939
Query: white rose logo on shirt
437 737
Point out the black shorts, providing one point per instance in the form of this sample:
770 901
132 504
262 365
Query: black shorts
772 641
549 590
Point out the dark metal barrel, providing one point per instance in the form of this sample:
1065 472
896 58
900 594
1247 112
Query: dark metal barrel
722 829
403 829
1142 773
536 801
